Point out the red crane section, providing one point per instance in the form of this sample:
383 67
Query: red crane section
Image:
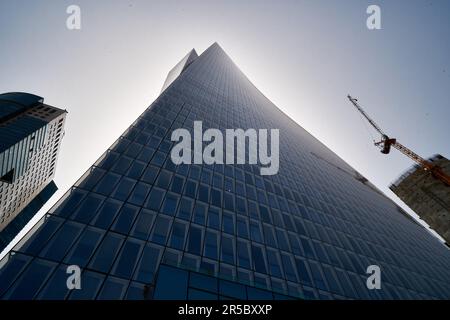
386 143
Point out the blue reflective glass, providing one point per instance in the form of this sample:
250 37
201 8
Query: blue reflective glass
42 235
274 264
178 235
172 284
84 248
200 213
56 286
319 281
255 232
113 289
164 179
185 209
190 188
31 280
258 259
201 295
294 233
243 254
16 263
251 193
203 193
214 218
216 197
69 204
303 272
206 176
88 208
120 147
348 288
139 194
203 282
227 250
92 282
269 236
257 294
265 216
106 253
155 198
240 205
143 224
288 267
228 224
295 244
91 180
195 240
170 204
253 210
146 269
146 154
282 240
177 184
158 158
58 246
123 189
107 184
160 230
194 173
277 220
331 279
107 213
240 189
217 180
232 290
133 150
228 185
321 255
307 248
211 247
228 200
127 259
150 174
125 219
288 222
122 165
139 291
136 169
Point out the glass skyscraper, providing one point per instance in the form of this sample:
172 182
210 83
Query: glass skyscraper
141 227
30 138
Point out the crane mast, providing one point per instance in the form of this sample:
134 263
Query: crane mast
386 143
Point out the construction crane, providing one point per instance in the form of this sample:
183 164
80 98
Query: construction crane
386 143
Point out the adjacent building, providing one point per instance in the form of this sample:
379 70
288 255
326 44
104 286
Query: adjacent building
140 227
427 196
30 137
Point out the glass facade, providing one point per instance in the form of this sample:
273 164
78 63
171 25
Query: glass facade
26 214
141 227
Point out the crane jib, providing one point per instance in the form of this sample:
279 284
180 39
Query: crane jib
386 143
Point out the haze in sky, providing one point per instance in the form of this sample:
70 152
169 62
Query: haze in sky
305 56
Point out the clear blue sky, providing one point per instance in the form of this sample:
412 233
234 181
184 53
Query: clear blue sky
305 56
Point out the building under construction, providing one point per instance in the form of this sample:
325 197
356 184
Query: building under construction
427 196
425 188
